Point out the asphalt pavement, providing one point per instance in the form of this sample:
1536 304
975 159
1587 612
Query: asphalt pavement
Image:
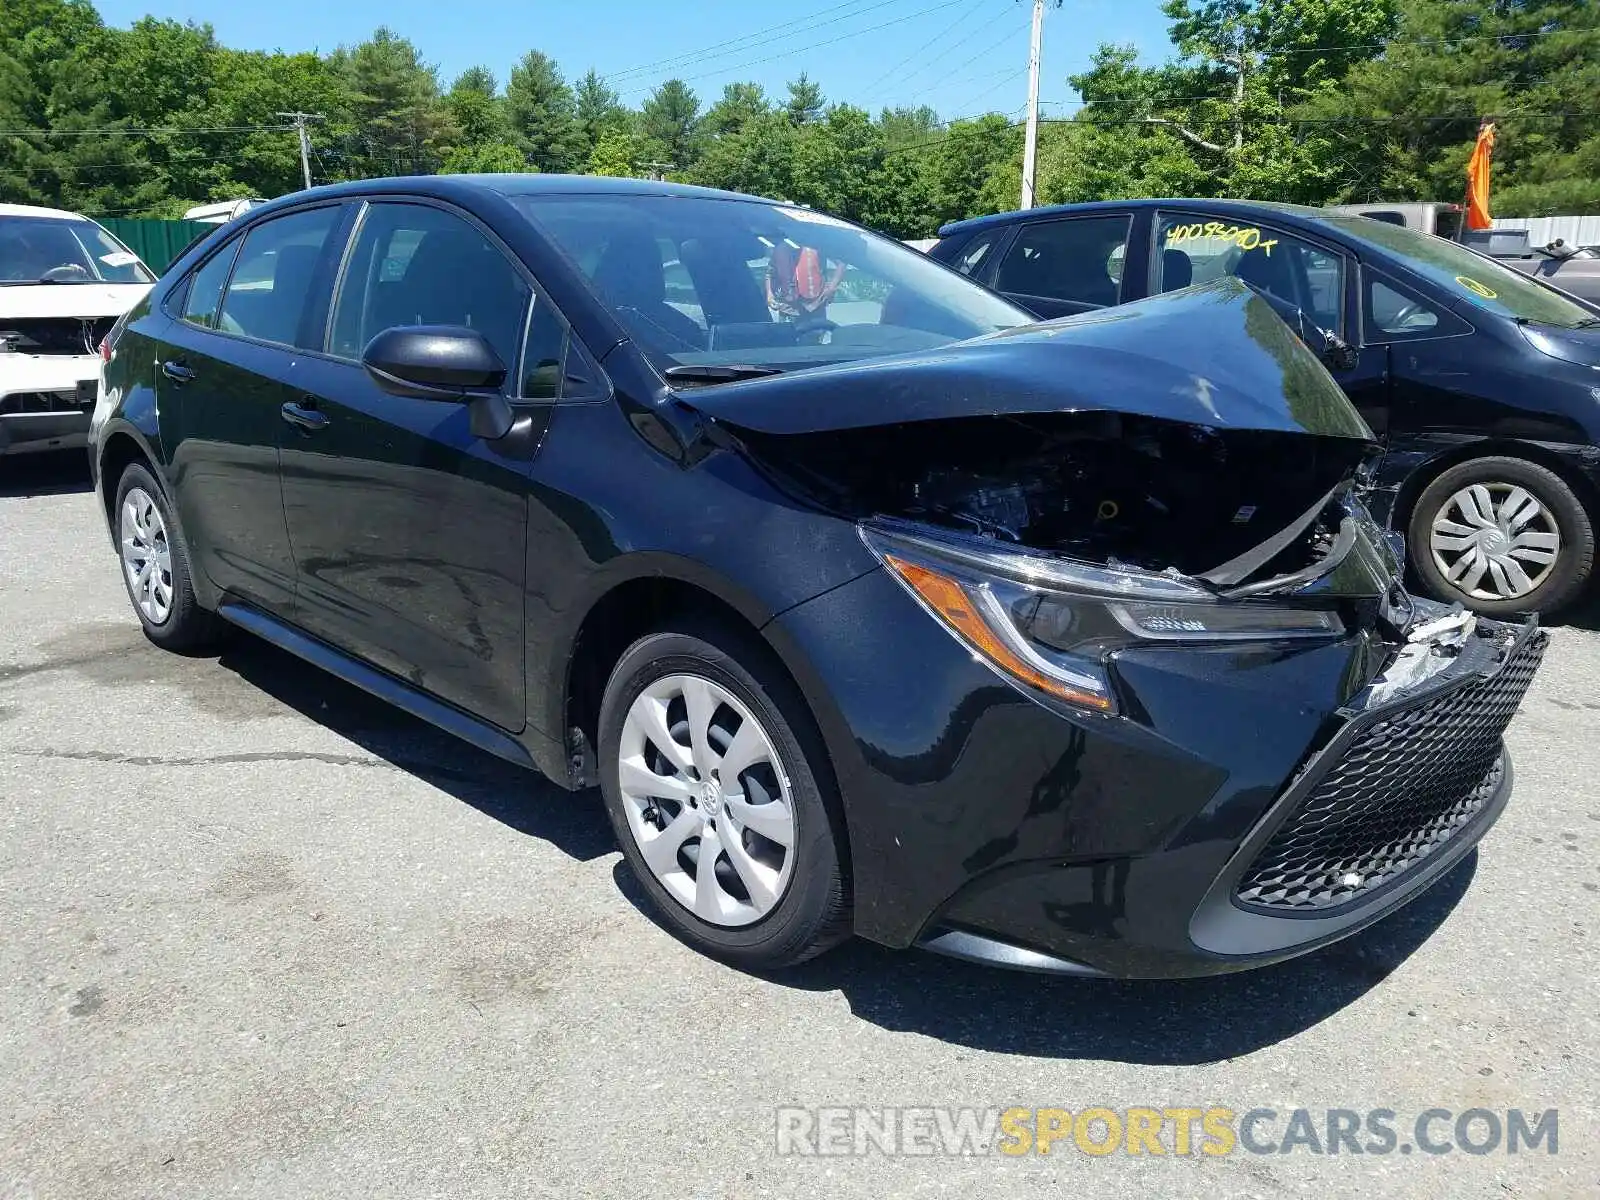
262 937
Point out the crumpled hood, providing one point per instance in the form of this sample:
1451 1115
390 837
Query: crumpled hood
69 299
1215 355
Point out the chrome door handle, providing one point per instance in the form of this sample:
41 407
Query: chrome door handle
177 372
307 420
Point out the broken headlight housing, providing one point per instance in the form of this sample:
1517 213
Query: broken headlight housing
1051 623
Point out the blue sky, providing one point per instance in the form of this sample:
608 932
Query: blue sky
965 56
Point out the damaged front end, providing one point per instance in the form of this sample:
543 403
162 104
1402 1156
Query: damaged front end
1177 470
1148 523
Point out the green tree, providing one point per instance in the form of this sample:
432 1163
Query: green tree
542 114
484 158
908 126
758 159
615 154
598 111
806 102
669 125
475 106
740 104
398 119
1403 124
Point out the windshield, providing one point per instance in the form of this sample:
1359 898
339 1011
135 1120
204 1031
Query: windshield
700 282
63 250
1471 277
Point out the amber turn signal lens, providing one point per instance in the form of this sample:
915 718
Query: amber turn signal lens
949 601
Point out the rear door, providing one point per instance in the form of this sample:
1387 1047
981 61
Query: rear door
1413 338
1061 265
408 532
223 376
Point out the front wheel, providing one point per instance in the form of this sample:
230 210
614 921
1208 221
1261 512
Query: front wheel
710 768
1502 535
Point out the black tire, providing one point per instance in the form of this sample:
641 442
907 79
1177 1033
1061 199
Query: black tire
186 628
813 912
1566 578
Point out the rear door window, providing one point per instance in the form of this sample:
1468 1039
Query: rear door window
270 294
977 256
1077 259
205 288
1392 312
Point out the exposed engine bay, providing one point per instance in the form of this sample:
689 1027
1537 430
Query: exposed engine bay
1098 486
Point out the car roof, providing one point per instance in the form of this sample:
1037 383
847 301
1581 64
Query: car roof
30 210
1301 213
460 186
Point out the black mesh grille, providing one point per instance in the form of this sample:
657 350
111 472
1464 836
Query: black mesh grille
39 402
1405 786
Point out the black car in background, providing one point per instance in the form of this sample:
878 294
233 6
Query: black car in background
1482 384
870 606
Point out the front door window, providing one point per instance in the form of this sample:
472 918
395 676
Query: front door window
1195 248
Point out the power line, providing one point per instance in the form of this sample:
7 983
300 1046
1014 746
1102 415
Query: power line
955 134
172 131
746 41
136 165
813 46
883 81
989 91
965 70
1438 41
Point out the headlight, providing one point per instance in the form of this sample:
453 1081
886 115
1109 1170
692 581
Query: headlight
1051 623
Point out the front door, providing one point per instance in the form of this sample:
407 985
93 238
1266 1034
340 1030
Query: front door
408 532
221 380
1308 283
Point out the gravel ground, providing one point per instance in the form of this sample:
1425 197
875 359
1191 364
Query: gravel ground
266 938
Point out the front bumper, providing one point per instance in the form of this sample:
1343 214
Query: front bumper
985 824
46 401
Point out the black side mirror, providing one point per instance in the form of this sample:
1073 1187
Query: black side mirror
450 363
1339 354
1335 353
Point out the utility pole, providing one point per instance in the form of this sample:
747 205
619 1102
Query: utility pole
1030 146
300 119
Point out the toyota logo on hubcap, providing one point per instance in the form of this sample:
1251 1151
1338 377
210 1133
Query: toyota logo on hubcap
711 798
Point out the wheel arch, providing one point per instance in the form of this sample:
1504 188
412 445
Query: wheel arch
1417 481
120 445
632 604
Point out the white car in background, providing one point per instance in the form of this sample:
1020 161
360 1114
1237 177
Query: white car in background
64 281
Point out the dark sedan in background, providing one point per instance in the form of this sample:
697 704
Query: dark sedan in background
1482 384
871 606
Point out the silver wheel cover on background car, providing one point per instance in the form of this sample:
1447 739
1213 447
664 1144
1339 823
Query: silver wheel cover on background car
702 787
1494 541
146 555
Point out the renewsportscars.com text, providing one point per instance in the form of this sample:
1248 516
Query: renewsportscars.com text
1210 1131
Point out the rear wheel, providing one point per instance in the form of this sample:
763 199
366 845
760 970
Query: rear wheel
709 767
155 566
1502 535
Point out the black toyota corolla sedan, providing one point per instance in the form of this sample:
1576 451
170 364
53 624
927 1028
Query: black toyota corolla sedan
871 606
1482 384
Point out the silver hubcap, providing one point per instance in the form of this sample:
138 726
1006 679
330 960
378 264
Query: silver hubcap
707 801
146 556
1495 541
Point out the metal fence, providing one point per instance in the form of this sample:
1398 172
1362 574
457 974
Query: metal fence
1574 231
156 242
